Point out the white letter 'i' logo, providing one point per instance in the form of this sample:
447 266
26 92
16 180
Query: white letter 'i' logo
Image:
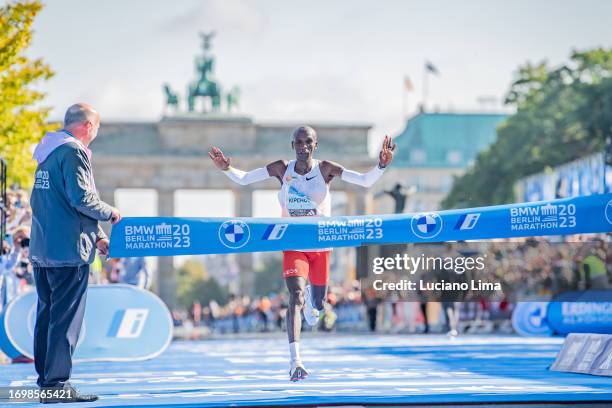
467 221
128 323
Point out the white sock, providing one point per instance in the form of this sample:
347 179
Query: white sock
294 349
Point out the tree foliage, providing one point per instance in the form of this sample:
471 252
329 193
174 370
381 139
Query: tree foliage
193 283
269 277
22 121
562 113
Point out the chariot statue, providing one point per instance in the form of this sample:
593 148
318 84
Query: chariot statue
205 87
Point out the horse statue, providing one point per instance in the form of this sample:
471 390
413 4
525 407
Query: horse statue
232 98
205 86
171 97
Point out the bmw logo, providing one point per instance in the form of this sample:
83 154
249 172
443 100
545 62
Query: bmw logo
609 212
426 225
234 234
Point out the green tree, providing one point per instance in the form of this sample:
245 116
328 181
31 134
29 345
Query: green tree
562 114
269 277
22 120
193 283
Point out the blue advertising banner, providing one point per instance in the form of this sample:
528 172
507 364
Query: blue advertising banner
585 176
581 312
122 323
168 236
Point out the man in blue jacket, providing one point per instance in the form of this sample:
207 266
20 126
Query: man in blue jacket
65 234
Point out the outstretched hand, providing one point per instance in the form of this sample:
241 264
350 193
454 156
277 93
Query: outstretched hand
386 154
219 159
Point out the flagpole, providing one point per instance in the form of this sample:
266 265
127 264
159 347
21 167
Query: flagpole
427 68
425 89
404 103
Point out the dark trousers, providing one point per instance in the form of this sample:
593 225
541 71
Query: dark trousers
372 317
423 306
59 315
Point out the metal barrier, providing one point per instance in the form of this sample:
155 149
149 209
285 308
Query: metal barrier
3 168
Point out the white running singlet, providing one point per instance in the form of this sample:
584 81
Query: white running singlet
305 195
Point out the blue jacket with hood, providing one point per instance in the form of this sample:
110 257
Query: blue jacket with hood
65 205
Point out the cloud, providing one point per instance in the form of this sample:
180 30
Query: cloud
125 102
316 97
231 17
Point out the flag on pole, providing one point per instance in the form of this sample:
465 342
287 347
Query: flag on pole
431 68
408 87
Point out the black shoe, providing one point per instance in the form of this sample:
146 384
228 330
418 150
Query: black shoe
297 372
64 393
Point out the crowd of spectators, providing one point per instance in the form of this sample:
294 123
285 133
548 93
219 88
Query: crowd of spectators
528 269
16 274
259 314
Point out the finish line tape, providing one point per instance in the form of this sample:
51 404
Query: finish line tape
168 236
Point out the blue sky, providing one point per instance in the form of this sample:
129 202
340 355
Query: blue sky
333 61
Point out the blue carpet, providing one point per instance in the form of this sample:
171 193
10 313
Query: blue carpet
350 369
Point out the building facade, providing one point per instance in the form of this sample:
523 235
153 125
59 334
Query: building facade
431 150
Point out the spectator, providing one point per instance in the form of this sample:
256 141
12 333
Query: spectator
591 258
133 271
14 264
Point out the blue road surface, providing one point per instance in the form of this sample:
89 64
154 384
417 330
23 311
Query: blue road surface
345 369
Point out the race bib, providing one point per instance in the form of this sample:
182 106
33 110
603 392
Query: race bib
299 204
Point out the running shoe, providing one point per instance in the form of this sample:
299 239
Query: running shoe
311 314
297 371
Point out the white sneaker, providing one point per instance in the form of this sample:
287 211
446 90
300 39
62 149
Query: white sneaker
452 334
311 315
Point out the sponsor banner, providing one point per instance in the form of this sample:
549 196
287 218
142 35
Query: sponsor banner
167 236
581 312
585 354
121 323
530 319
585 176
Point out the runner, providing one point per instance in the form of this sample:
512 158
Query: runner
304 193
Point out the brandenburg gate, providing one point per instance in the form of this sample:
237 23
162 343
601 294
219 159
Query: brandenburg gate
172 154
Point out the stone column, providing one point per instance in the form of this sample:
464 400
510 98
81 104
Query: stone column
243 199
361 203
166 275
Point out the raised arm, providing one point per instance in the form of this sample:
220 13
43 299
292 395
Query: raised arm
238 176
367 179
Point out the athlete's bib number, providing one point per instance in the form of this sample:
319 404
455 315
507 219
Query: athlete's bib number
299 204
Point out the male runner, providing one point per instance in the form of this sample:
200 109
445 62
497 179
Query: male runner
304 192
